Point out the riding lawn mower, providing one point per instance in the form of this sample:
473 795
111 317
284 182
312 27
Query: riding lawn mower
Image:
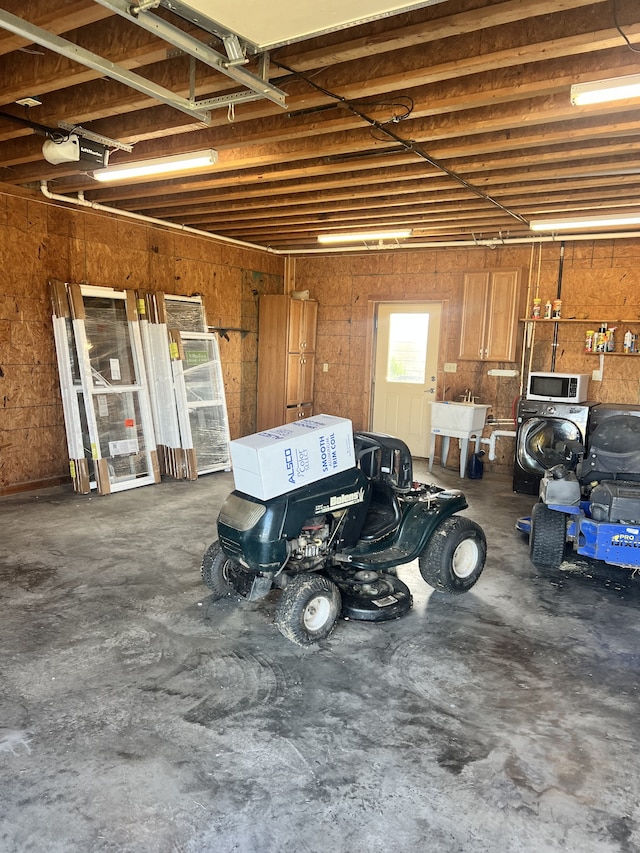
332 546
589 505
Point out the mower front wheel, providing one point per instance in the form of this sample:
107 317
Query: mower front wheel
218 571
454 557
547 537
308 609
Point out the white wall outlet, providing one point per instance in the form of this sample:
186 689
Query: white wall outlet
450 367
325 367
596 375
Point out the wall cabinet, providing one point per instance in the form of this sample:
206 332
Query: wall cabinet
300 368
490 311
286 359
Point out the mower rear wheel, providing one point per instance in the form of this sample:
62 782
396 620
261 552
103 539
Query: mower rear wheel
218 571
308 609
454 557
547 537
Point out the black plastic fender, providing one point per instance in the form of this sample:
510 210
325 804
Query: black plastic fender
420 519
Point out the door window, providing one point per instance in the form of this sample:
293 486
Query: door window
407 354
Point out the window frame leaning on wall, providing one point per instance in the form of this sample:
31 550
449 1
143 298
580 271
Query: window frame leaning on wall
176 405
155 344
201 415
185 318
92 399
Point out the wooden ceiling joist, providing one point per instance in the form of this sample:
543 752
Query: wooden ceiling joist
481 87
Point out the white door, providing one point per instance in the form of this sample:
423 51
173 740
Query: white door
406 361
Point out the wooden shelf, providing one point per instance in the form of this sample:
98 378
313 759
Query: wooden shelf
635 322
625 354
223 331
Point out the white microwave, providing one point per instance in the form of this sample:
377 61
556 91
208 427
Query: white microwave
558 387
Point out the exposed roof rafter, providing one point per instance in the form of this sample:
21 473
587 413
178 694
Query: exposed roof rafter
453 119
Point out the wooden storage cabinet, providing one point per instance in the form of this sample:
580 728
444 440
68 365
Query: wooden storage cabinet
303 319
300 367
295 413
286 359
490 312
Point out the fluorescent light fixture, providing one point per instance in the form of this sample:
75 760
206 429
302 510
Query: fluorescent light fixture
613 89
158 166
604 221
365 236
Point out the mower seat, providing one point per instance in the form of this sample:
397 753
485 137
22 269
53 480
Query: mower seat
614 451
384 459
384 514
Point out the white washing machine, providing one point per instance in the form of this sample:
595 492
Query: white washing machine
542 427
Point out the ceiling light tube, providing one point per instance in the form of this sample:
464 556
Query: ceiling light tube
365 236
603 221
599 91
158 166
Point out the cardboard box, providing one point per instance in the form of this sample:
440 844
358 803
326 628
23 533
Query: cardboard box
285 458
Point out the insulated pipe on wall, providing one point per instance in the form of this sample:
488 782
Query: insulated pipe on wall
478 244
554 345
94 205
449 244
81 201
529 329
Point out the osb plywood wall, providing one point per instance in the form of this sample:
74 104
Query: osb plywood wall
600 280
600 284
40 241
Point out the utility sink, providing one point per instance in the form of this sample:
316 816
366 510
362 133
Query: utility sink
451 418
456 420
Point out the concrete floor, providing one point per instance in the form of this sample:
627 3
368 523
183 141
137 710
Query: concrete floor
137 715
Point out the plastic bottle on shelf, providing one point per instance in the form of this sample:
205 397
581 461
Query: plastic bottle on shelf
535 310
547 309
627 341
589 340
600 339
611 340
556 312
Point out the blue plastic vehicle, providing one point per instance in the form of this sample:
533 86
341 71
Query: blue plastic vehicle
592 503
